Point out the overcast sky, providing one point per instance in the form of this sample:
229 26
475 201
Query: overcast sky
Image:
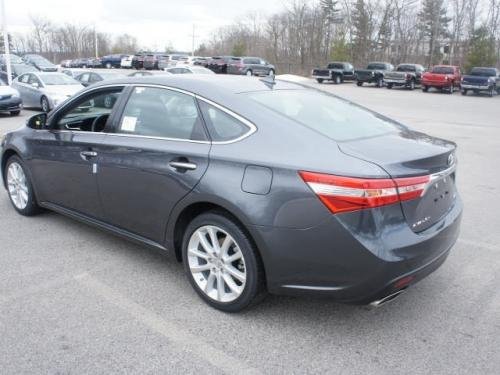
155 23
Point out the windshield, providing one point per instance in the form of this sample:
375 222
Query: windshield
14 59
442 70
376 67
22 68
326 114
406 68
57 79
483 72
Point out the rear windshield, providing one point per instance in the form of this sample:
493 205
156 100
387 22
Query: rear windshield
442 70
335 66
376 67
328 115
484 72
406 68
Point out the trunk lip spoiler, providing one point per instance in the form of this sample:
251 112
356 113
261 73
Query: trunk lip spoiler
439 176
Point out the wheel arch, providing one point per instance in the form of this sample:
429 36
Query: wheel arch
7 154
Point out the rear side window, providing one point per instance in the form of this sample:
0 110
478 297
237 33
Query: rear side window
333 117
222 126
158 112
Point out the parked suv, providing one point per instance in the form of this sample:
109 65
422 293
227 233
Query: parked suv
219 64
407 75
151 61
250 66
374 73
481 79
336 71
443 77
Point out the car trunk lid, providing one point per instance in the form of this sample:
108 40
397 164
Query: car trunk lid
411 154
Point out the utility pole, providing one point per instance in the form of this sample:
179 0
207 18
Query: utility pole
6 44
96 43
192 41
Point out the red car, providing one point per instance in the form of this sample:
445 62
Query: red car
444 77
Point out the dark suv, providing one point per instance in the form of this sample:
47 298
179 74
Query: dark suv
250 66
40 62
219 64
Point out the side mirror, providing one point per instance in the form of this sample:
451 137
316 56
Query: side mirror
37 122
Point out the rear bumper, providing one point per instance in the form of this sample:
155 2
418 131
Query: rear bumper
469 86
437 83
396 81
357 257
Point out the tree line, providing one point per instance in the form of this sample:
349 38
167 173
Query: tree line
306 34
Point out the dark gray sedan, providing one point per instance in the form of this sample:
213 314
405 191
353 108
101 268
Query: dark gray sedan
254 185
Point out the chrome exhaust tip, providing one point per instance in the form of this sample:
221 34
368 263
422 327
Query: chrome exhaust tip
386 299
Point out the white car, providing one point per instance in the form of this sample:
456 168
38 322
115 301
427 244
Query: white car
127 61
45 90
187 69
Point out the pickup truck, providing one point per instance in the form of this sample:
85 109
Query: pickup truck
337 72
407 75
374 73
112 61
443 77
481 79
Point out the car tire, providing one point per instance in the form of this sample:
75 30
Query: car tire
20 187
389 86
249 73
491 92
359 84
15 113
337 80
412 85
108 65
241 280
44 104
451 89
380 82
320 80
464 92
425 88
84 66
271 73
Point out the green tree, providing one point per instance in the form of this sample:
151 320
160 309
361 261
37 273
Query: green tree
434 24
239 49
482 49
340 50
362 27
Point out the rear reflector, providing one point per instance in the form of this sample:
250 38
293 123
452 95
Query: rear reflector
342 194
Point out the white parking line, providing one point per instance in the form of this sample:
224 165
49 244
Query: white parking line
183 339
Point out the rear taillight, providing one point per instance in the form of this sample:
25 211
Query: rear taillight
342 194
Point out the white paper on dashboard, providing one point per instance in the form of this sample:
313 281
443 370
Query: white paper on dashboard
128 123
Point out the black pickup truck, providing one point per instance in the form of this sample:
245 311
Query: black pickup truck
374 73
337 72
407 75
481 79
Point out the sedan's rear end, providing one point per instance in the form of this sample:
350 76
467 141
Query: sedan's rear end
392 211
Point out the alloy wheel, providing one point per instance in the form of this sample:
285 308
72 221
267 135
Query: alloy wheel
216 263
17 186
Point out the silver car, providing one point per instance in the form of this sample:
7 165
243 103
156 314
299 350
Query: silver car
45 90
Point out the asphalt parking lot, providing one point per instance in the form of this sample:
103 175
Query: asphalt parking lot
74 299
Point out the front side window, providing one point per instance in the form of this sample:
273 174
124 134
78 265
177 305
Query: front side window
158 112
222 127
25 78
90 113
58 79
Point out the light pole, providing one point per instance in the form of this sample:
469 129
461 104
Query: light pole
6 44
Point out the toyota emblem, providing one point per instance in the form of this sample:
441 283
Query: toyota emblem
451 159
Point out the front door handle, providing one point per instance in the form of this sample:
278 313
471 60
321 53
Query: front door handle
88 154
182 165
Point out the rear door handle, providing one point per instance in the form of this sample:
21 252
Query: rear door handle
88 154
182 165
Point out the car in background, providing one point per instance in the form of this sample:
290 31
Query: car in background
151 60
374 73
86 62
442 77
112 61
481 79
40 62
336 71
14 59
201 61
126 61
405 75
146 73
250 66
73 72
254 187
89 78
138 60
45 90
186 69
65 64
10 99
16 70
219 64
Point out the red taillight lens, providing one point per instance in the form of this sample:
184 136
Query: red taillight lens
342 194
